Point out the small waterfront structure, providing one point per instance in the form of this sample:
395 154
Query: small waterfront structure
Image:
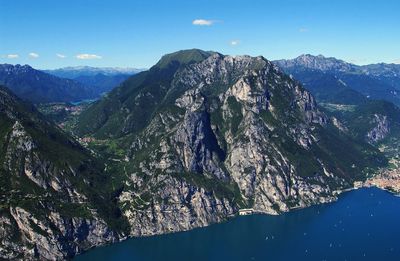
358 184
245 211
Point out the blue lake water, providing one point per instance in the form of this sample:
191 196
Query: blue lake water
83 101
362 225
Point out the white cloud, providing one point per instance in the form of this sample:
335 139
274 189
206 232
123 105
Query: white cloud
59 55
203 22
304 30
86 56
12 56
235 42
397 61
33 55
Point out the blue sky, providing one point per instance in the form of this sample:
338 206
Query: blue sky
137 33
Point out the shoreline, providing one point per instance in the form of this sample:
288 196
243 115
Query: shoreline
231 217
334 198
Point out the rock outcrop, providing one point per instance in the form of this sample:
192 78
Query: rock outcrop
380 131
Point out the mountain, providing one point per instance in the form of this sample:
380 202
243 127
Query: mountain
328 87
100 83
39 87
53 199
99 80
341 88
388 73
201 135
373 81
319 63
188 143
77 71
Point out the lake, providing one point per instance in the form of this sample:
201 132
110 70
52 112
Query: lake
363 224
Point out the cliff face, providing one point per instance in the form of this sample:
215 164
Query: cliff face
380 131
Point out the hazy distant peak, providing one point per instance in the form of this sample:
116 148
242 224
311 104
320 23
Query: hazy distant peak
18 68
316 62
73 72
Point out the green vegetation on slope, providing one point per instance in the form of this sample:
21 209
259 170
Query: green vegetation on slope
57 156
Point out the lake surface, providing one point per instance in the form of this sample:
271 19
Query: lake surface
363 224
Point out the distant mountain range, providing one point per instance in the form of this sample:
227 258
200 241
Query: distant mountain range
77 71
375 81
99 80
62 85
37 86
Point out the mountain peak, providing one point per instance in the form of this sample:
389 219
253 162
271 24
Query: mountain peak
319 58
184 57
17 68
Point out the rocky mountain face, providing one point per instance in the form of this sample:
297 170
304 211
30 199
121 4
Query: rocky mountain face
376 122
204 135
50 204
38 87
381 129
